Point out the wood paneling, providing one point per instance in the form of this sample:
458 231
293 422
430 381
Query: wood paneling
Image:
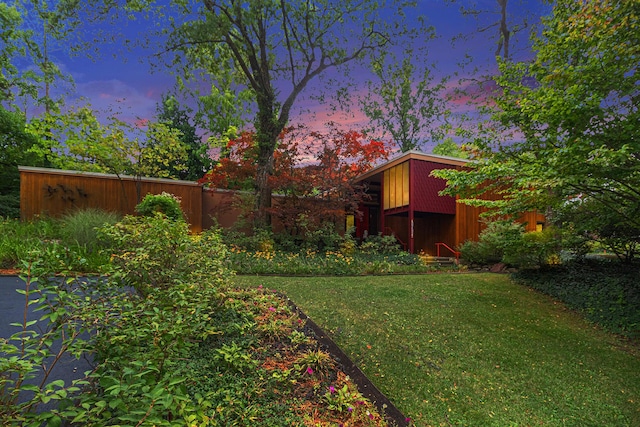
55 193
469 223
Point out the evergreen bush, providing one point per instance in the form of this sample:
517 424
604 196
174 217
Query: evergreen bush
165 203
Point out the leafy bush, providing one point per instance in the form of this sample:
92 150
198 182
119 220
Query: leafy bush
335 263
506 241
10 205
185 354
19 238
165 203
607 292
380 245
155 253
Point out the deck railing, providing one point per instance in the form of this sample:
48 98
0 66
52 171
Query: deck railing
440 245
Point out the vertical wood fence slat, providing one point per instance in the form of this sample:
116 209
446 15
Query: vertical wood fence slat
55 193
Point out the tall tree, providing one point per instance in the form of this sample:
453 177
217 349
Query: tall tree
24 71
273 49
573 116
403 101
197 161
77 140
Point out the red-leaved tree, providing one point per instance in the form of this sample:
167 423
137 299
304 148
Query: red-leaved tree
313 177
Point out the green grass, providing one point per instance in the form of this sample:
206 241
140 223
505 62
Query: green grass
473 349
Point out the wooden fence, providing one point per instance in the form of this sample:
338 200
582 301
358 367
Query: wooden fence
54 193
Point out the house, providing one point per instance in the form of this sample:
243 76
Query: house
404 200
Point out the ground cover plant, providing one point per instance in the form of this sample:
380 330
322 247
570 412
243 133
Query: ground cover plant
69 242
327 263
606 292
172 343
473 349
322 252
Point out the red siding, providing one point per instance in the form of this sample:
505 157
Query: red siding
426 188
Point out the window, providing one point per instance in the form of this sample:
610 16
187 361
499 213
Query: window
396 186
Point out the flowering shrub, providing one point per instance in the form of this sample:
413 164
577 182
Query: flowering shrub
335 263
157 253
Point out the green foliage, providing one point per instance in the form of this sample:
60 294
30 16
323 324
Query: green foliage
24 58
330 263
506 241
165 203
193 352
155 253
404 102
14 147
565 135
77 140
62 305
81 227
605 292
197 161
61 246
380 244
10 204
449 148
18 239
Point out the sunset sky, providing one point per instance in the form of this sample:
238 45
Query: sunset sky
124 81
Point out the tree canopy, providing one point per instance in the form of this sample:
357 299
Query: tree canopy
314 172
404 101
268 51
565 135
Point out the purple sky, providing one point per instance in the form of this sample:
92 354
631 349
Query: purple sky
126 83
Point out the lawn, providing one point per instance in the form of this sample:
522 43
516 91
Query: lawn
473 349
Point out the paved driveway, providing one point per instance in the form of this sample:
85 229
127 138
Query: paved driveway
12 306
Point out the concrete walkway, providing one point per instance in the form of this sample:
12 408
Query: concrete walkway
12 308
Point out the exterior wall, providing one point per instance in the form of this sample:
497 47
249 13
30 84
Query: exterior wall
469 224
426 188
222 208
430 229
219 207
55 193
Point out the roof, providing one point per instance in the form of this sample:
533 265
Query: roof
415 155
105 175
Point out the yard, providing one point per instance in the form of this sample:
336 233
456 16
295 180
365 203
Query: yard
473 349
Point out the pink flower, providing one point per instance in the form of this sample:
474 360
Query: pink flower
309 370
332 389
350 409
272 309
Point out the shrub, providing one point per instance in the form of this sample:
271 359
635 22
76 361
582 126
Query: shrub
156 253
380 245
165 203
19 238
506 241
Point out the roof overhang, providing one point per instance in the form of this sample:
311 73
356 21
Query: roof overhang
410 155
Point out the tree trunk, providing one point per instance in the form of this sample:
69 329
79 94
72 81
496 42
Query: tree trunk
263 187
268 128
